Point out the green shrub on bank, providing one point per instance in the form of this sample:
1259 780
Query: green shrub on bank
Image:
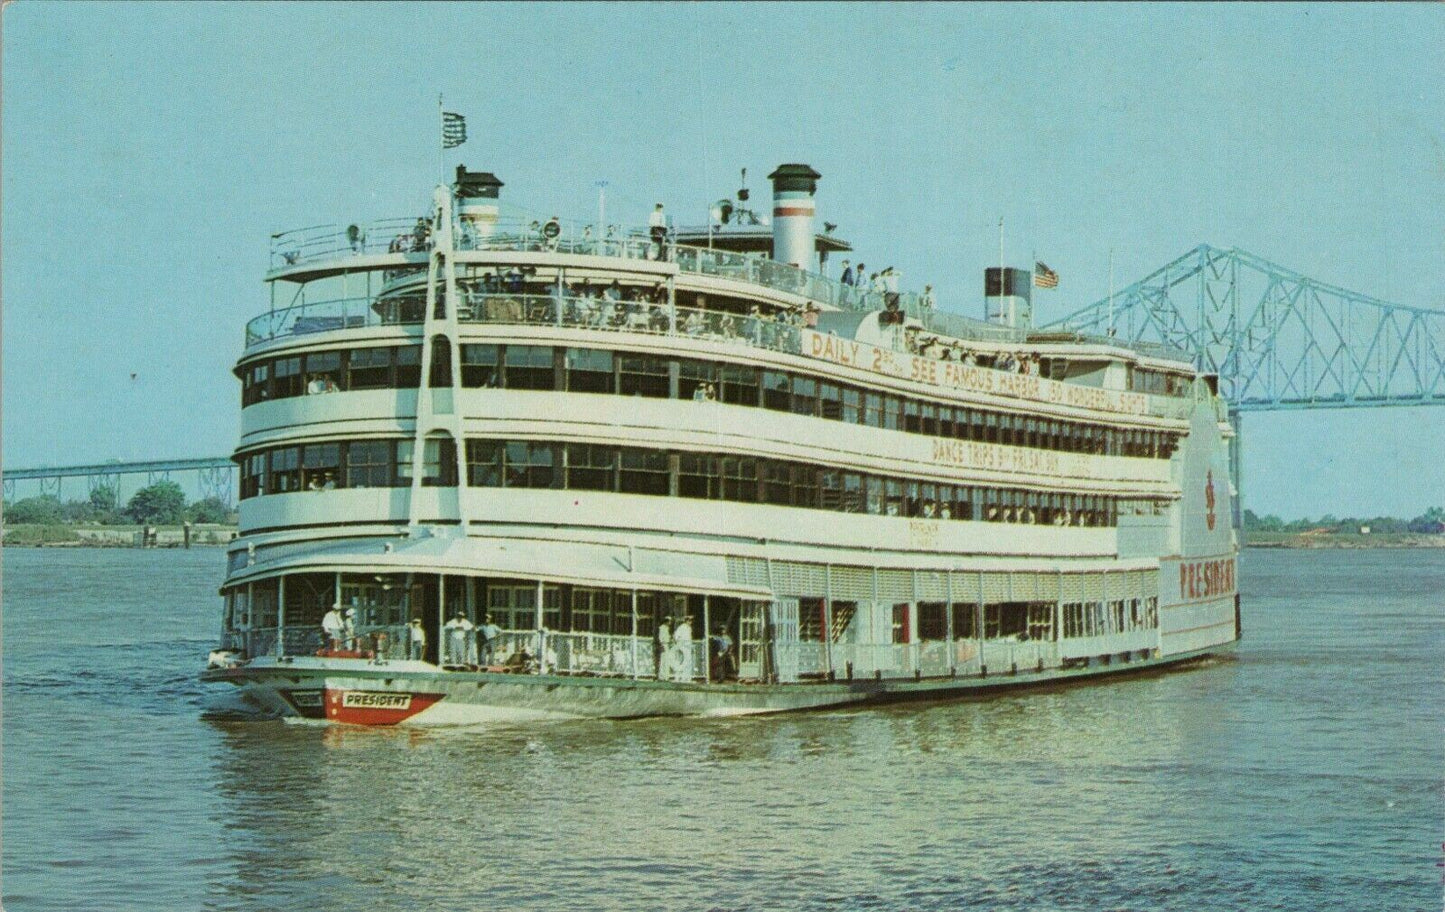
39 534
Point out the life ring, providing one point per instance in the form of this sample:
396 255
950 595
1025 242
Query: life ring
552 230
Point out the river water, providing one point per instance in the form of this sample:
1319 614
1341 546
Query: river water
1304 773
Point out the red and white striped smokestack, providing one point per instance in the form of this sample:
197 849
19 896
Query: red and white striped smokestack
793 189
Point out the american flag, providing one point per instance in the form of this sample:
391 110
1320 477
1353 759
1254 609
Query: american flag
454 130
1044 277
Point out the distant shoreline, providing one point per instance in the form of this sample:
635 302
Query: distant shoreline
1303 541
34 535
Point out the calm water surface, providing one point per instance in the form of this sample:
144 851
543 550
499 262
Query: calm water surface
1303 774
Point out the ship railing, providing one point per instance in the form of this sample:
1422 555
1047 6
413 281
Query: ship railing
303 245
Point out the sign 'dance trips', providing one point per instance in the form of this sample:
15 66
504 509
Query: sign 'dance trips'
970 378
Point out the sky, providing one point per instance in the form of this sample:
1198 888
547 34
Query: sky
147 151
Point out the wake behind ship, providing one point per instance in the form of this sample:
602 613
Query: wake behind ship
514 468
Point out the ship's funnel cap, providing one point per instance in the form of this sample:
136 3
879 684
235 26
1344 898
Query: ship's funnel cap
795 177
477 184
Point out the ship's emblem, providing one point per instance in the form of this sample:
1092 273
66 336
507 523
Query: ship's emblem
1209 500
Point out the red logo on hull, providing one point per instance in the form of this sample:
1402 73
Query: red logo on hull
374 707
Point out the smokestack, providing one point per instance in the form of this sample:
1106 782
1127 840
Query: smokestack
1009 302
478 193
793 189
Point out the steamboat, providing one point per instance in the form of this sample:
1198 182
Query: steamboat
501 467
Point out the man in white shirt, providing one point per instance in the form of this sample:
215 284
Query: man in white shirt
416 639
682 649
333 628
657 229
461 643
490 633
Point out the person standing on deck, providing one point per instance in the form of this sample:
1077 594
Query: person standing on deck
461 642
416 640
657 228
682 661
662 653
847 277
348 630
490 632
333 628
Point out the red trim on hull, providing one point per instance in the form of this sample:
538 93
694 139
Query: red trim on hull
374 707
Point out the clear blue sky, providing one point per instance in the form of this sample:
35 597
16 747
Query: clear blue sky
148 151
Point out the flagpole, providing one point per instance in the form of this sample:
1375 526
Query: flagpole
441 141
1001 286
1111 292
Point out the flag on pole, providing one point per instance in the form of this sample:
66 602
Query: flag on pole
454 130
1044 277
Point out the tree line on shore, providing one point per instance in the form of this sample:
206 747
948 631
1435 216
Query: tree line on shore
159 504
1431 522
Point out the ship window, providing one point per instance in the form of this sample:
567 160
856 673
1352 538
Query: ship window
805 485
739 385
893 503
644 375
932 621
258 381
253 475
441 363
644 472
778 483
830 489
912 423
588 370
740 480
900 623
853 498
592 610
408 366
852 410
697 476
923 500
873 409
805 396
529 465
369 463
285 470
873 495
945 421
929 413
369 368
892 412
590 467
484 463
288 378
321 466
480 366
693 375
990 427
964 626
439 463
776 391
529 367
323 372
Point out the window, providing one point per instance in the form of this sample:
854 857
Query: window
530 367
695 374
590 467
285 470
892 412
830 400
739 384
369 368
321 466
852 411
929 413
408 366
592 610
777 391
873 409
257 384
740 480
900 623
830 489
805 396
481 366
529 465
964 621
697 476
893 501
253 475
778 483
323 372
369 463
873 495
932 621
588 370
643 375
441 363
439 463
287 378
484 463
644 472
853 501
805 485
912 423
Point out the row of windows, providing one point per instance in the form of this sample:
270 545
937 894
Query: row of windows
1088 619
538 367
632 470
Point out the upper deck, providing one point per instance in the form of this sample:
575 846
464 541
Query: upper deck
394 246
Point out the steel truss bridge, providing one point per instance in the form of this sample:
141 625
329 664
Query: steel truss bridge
1276 338
214 474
